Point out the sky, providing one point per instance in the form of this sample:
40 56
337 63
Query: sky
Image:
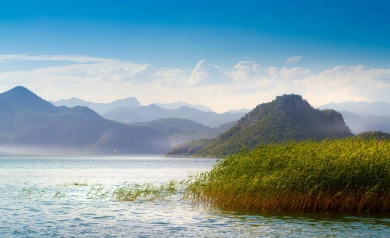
222 54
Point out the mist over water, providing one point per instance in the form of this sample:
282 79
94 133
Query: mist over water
52 197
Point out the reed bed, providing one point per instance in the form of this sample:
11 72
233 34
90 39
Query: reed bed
343 176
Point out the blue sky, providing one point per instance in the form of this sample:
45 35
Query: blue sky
234 54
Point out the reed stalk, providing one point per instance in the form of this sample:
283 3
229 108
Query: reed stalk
147 191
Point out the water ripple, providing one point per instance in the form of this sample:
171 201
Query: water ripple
32 204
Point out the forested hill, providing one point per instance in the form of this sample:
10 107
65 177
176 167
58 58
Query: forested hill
286 118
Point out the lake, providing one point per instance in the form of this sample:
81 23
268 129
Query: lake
59 197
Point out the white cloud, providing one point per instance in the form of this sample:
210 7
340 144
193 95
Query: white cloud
245 85
272 71
88 67
296 71
246 70
206 74
294 59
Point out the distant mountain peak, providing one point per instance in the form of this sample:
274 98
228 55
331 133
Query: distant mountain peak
18 90
24 98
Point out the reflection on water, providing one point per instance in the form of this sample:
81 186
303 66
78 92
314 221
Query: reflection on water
38 197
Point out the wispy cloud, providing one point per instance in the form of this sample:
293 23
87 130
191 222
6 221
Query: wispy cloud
294 59
246 70
293 72
208 74
69 58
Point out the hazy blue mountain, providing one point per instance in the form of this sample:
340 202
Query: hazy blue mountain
286 118
216 131
153 112
359 123
31 125
177 105
377 123
99 137
243 110
178 130
353 121
22 110
20 98
7 114
374 108
100 108
123 114
172 126
183 130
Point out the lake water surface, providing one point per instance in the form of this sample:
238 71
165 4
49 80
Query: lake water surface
35 203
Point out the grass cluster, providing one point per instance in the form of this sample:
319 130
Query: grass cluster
123 192
346 175
72 184
147 191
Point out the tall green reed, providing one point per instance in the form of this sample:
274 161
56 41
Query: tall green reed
348 175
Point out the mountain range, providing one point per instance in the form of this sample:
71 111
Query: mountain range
100 108
130 102
33 126
153 112
129 110
30 125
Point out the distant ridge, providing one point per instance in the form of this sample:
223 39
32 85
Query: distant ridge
177 105
366 108
286 118
359 123
154 112
100 108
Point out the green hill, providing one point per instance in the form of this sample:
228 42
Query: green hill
286 118
378 135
